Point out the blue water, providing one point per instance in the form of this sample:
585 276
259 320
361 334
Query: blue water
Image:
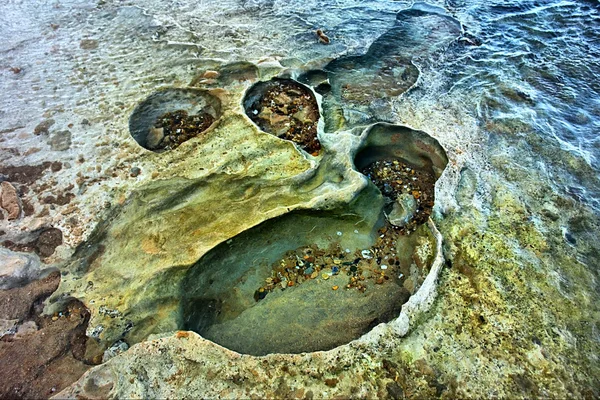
538 64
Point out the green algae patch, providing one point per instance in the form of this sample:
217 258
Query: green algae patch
501 308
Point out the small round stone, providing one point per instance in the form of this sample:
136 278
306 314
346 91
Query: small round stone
135 171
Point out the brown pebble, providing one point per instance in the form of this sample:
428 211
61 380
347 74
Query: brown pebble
56 166
332 382
182 334
9 200
322 37
336 287
43 127
210 74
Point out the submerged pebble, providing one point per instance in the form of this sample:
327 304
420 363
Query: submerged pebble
409 190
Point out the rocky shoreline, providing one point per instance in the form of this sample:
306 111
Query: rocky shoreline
105 235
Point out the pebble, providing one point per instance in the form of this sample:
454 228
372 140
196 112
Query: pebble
135 171
9 200
325 276
308 271
210 74
336 287
384 267
366 254
339 233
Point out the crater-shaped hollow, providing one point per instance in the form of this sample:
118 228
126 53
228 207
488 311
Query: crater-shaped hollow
169 117
306 281
404 164
287 109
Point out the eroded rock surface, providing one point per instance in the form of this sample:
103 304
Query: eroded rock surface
40 354
518 296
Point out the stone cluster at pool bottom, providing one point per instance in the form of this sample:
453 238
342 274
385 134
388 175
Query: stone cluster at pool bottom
410 191
173 128
288 110
364 268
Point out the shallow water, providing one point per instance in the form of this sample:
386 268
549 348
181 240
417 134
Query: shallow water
510 89
537 71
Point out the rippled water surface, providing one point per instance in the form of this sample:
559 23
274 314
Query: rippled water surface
510 89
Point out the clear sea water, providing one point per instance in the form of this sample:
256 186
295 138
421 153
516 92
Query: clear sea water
514 97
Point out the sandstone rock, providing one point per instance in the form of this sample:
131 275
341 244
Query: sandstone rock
17 269
25 329
9 200
17 303
41 362
8 326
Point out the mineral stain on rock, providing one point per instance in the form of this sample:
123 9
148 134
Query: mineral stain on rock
25 174
286 109
48 241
